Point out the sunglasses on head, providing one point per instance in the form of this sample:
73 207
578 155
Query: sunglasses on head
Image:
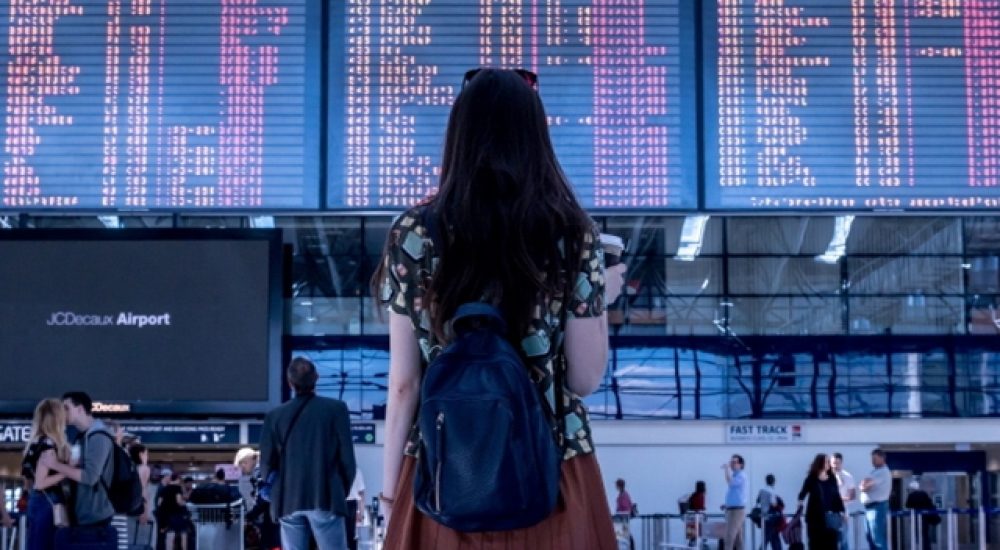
530 78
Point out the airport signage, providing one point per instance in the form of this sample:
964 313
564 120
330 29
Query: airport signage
765 432
362 433
14 433
169 433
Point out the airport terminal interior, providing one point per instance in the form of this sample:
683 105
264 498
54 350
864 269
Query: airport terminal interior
807 194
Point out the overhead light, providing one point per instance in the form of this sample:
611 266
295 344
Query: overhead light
110 222
692 236
838 243
262 222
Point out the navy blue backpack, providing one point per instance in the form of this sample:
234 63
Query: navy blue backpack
489 460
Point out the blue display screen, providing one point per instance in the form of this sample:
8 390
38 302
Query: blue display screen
157 104
852 105
617 79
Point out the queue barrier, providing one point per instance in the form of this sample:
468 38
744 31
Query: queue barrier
218 525
704 531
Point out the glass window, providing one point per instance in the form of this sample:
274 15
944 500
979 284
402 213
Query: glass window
913 314
905 235
984 274
782 315
984 314
982 234
700 277
359 377
778 235
903 275
318 316
773 276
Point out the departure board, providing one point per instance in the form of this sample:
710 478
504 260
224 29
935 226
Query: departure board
617 78
160 104
852 104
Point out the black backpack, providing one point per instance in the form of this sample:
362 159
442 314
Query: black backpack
125 489
489 460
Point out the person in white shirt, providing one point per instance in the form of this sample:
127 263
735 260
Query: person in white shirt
355 509
737 495
875 491
848 494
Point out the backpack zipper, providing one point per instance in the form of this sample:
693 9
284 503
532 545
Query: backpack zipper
437 473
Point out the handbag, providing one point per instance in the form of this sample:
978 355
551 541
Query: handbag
60 516
755 515
834 521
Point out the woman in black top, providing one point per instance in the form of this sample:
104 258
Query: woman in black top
825 506
48 435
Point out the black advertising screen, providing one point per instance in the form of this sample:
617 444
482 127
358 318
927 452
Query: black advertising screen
852 105
617 79
157 104
172 322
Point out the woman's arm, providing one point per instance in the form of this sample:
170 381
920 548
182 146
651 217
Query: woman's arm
401 402
587 340
806 487
46 477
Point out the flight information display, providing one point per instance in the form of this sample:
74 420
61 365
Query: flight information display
160 104
853 104
617 78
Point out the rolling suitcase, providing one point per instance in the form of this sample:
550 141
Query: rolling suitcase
87 538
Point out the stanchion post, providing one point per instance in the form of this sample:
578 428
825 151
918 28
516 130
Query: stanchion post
889 527
22 532
952 535
982 528
913 530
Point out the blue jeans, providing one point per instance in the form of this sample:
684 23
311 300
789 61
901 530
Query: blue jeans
325 526
41 531
845 534
876 523
772 532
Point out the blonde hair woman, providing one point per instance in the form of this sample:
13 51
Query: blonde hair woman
48 435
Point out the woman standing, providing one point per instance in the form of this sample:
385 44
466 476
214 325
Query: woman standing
696 502
825 510
504 228
623 511
140 457
48 435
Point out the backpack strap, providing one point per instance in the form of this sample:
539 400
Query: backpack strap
291 426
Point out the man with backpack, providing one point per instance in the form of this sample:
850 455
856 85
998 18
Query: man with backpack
92 472
770 513
307 455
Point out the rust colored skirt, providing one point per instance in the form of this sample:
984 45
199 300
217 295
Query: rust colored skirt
581 520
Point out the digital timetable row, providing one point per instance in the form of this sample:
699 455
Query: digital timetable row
291 105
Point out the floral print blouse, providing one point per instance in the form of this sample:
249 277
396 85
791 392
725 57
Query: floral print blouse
410 262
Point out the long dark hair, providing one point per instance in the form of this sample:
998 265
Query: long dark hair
819 465
503 206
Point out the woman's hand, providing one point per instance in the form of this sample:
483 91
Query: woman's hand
386 510
614 282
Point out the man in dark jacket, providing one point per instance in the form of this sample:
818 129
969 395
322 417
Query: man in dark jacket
307 443
919 500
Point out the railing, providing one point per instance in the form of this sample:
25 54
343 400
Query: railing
913 528
959 529
14 538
